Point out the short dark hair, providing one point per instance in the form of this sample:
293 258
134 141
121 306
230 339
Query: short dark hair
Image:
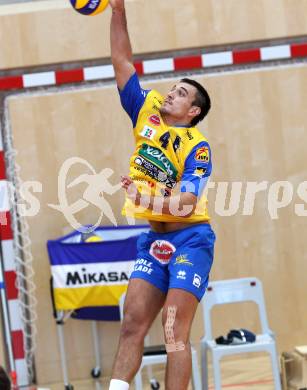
202 100
5 383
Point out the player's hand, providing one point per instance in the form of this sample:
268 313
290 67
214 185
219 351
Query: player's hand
131 189
117 4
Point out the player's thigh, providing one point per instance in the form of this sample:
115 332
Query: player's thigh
142 304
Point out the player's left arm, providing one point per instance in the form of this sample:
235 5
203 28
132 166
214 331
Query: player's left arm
197 170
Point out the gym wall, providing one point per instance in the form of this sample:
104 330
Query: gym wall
255 128
48 32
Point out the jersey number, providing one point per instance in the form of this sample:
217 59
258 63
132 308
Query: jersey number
164 140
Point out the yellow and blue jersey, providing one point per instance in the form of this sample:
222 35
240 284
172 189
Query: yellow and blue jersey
167 159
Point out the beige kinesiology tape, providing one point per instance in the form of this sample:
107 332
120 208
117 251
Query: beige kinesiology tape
171 344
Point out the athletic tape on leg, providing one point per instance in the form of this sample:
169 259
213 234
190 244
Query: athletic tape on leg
171 345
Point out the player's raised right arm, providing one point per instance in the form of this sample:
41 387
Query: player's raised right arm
121 52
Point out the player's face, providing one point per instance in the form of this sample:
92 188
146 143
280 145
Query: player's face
178 103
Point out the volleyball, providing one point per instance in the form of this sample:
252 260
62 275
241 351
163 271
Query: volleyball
93 238
90 237
89 7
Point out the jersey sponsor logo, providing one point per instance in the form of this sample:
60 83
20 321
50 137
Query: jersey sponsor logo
162 251
182 259
199 172
154 172
202 154
181 275
143 181
144 172
158 158
143 265
190 136
157 103
155 120
156 108
197 280
148 132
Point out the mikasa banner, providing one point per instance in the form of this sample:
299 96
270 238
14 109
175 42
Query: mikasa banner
94 284
87 274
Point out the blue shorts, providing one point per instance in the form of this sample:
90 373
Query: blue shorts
180 259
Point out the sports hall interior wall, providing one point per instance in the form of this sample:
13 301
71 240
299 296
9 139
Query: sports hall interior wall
254 137
256 129
48 32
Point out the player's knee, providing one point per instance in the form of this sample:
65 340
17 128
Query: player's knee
175 335
133 327
172 318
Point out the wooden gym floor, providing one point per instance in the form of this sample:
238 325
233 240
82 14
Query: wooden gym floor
252 373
